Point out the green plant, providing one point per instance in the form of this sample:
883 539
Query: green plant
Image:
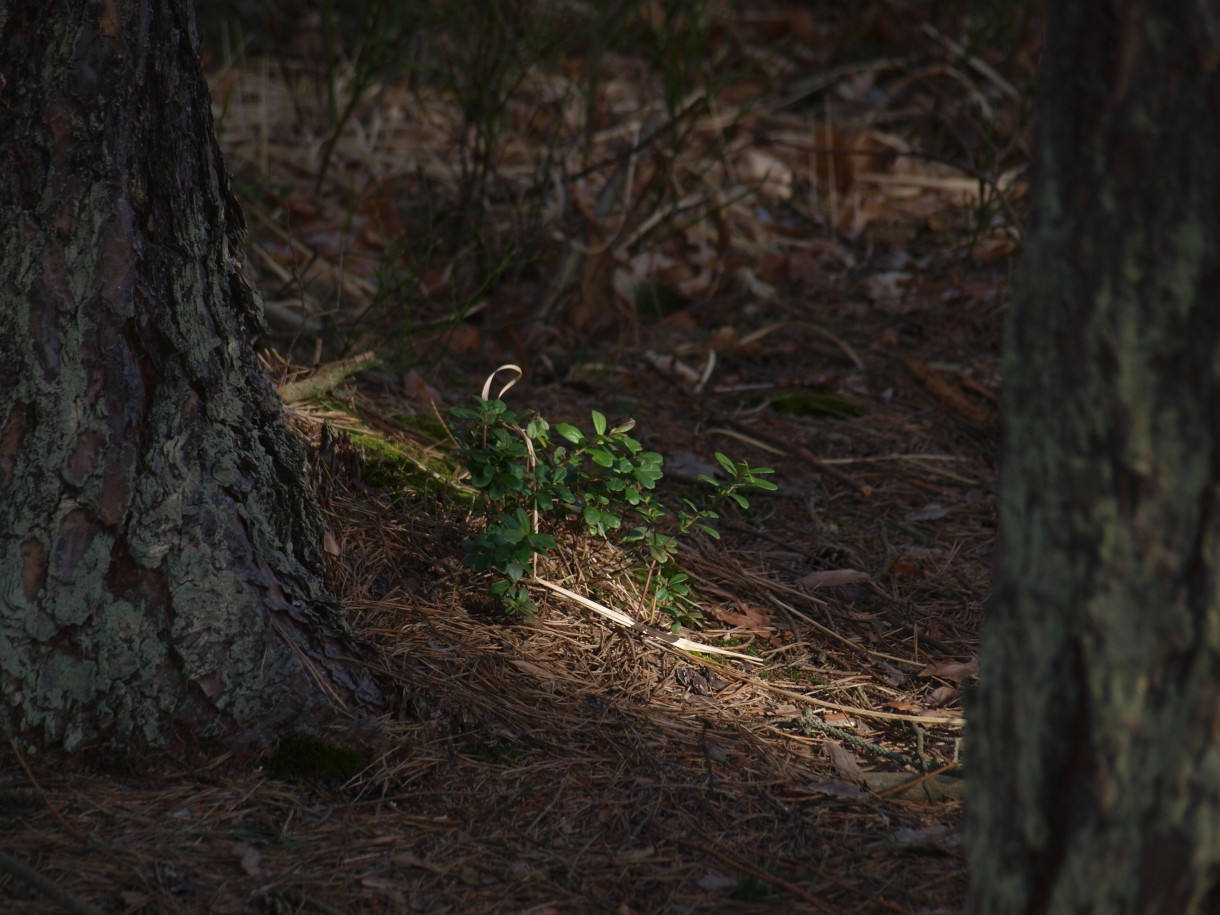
537 480
304 756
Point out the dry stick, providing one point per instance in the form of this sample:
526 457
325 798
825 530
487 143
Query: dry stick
640 146
678 643
326 378
60 897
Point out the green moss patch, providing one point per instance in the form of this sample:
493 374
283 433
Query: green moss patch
303 756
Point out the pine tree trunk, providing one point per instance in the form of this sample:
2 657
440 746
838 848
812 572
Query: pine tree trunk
1094 742
160 573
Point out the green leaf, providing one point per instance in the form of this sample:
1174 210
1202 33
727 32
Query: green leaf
540 543
570 432
727 463
601 457
647 476
630 444
599 522
599 422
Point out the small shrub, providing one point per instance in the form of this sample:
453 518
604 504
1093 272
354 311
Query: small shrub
537 480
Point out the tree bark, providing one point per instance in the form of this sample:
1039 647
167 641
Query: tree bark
1094 743
160 573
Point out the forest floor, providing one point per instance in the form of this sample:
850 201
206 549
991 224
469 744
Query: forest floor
813 280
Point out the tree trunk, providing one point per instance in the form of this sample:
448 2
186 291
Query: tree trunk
1094 747
160 572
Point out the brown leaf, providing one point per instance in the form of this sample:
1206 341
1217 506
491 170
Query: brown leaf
950 392
417 388
957 671
745 616
843 761
465 340
251 858
330 544
771 176
942 695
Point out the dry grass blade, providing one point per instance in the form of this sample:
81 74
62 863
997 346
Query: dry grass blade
667 639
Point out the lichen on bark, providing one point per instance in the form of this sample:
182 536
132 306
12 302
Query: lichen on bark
1094 779
160 572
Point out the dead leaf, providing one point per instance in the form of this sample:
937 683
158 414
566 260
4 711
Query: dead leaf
942 695
416 387
893 676
464 340
382 224
330 544
757 287
950 392
803 268
831 578
745 616
251 858
957 671
839 719
843 761
772 177
688 467
211 684
714 881
887 287
724 339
